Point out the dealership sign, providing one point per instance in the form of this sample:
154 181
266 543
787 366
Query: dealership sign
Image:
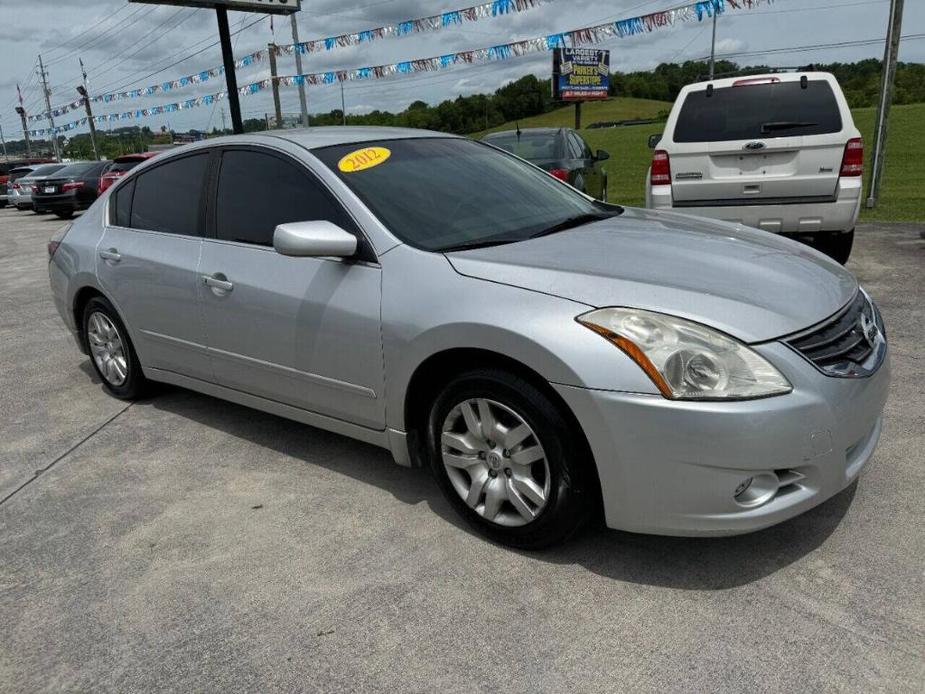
580 74
268 6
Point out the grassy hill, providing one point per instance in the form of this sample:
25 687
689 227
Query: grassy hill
618 108
902 195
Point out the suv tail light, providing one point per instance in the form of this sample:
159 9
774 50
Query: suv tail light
72 185
748 81
852 163
561 174
661 169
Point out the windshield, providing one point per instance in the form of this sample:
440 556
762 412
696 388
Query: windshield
529 145
443 194
759 111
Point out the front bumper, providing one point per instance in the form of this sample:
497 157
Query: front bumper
841 214
672 468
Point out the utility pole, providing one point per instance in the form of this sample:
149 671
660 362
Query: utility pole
51 119
25 130
224 127
6 157
277 106
303 101
231 79
343 104
713 44
888 77
82 90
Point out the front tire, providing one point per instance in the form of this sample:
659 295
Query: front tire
64 214
508 461
111 351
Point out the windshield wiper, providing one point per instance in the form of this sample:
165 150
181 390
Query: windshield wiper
571 223
784 125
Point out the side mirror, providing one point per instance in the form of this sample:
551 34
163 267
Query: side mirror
654 140
313 239
602 155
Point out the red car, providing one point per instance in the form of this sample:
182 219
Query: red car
121 166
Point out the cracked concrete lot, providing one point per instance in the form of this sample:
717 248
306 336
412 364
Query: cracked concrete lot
186 544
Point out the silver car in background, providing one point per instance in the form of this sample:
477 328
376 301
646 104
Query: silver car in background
21 195
546 355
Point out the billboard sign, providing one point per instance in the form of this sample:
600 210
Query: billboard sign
266 6
580 74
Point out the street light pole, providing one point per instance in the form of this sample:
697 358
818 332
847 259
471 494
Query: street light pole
303 100
25 130
713 45
82 90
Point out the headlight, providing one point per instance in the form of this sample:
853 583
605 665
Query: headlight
686 360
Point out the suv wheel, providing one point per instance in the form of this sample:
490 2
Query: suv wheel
508 461
111 351
836 244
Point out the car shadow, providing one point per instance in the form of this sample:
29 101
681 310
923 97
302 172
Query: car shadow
683 563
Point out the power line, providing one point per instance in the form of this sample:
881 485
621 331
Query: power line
66 44
140 13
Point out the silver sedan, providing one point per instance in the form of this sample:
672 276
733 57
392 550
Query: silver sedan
548 356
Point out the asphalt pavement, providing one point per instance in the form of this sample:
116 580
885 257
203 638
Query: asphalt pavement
183 543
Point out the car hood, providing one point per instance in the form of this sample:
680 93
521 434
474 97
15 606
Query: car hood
750 284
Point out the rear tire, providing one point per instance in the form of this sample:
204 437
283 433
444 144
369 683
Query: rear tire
530 489
836 244
111 351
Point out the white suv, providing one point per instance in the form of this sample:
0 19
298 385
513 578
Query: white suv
778 152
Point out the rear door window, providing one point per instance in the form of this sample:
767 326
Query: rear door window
168 197
759 112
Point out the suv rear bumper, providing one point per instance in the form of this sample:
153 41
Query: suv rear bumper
838 214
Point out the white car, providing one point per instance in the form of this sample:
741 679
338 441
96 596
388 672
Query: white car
778 152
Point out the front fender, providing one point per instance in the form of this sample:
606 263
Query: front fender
428 308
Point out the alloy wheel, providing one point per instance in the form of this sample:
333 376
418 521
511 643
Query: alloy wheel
107 348
495 462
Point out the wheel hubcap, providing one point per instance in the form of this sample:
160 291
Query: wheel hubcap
495 462
107 349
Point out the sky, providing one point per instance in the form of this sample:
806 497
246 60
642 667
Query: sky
122 44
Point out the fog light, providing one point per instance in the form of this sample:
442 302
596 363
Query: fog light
756 491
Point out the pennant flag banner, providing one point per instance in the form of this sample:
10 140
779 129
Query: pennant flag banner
495 8
696 11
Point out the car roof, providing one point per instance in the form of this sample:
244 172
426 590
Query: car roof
328 136
778 76
132 157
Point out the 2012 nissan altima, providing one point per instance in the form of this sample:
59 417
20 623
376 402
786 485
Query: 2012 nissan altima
546 355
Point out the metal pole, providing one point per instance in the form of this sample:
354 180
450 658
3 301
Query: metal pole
6 157
888 77
713 45
277 106
51 120
303 100
343 105
25 130
231 80
86 95
577 115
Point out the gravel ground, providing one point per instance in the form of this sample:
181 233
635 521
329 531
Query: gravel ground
183 543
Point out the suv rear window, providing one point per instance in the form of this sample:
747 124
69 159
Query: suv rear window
759 111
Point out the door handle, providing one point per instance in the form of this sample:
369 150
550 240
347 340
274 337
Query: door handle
111 255
218 281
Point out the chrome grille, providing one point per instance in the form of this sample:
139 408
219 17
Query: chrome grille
843 342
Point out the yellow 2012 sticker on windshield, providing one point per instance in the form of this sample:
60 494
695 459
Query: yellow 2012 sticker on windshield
363 159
